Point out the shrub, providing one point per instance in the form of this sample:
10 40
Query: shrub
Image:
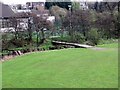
63 39
46 45
78 38
89 43
108 41
93 36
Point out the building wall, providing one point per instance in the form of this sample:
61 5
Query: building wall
35 5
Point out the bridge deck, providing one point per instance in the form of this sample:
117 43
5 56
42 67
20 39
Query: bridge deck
73 44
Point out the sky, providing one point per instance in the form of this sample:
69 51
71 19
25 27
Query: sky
24 1
19 1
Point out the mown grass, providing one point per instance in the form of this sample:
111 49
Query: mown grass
0 75
67 68
112 45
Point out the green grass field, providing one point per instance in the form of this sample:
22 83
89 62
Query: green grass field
113 45
67 68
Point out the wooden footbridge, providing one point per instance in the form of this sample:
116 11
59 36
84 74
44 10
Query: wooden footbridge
71 44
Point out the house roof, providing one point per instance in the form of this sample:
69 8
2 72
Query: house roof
40 12
5 11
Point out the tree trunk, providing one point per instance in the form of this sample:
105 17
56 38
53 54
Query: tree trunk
37 39
16 33
118 25
29 31
43 36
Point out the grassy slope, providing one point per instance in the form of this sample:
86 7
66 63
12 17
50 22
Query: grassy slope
112 45
83 68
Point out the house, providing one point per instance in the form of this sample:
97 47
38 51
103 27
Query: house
35 5
6 14
6 11
19 8
83 5
37 8
51 19
43 13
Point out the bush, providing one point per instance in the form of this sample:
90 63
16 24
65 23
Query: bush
108 41
46 45
89 43
63 39
18 42
78 38
93 36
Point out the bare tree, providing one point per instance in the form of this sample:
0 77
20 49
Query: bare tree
79 21
14 22
41 25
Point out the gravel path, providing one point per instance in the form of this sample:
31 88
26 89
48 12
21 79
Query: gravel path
98 48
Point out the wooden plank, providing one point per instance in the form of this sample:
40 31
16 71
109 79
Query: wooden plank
73 44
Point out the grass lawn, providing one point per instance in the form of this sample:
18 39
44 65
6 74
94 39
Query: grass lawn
112 45
67 68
